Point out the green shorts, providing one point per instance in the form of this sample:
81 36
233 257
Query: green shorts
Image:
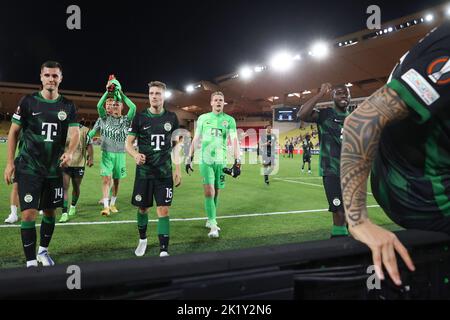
113 163
213 174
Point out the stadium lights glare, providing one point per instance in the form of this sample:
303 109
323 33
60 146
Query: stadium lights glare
245 73
390 29
306 92
294 95
281 61
447 12
348 85
429 17
258 69
297 57
167 94
190 88
319 50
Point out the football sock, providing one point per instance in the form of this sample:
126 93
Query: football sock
28 233
163 233
142 221
47 228
210 209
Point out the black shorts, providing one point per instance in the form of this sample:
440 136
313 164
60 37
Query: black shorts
74 172
40 193
306 158
146 189
332 185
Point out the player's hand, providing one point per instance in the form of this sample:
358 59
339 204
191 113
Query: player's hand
189 165
9 173
140 159
177 178
383 245
65 159
90 163
236 168
325 88
117 84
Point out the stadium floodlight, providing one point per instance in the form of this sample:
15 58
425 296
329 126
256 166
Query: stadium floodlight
168 94
319 50
390 29
258 68
282 61
245 73
190 88
447 11
348 85
429 17
297 57
306 92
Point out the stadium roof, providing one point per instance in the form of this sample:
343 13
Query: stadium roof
366 63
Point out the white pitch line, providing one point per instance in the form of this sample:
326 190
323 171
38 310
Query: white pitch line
309 184
183 219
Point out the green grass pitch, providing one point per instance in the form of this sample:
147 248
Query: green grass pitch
289 192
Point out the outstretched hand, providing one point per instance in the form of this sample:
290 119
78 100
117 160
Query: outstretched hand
383 245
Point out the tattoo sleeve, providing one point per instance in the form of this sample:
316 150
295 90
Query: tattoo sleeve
362 131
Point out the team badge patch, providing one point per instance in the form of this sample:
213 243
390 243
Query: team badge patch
336 202
421 86
28 198
167 126
439 71
225 123
62 115
138 198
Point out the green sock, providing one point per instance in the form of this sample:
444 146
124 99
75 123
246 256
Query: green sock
64 209
339 231
142 221
74 200
210 208
164 226
216 200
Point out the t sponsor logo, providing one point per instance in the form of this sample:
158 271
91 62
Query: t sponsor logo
157 141
49 130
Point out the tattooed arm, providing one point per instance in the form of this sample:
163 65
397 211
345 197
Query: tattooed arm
362 132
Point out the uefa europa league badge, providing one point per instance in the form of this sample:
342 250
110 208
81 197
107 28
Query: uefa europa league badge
62 115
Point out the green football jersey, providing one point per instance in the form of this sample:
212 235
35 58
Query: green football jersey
45 124
330 124
214 131
411 172
154 135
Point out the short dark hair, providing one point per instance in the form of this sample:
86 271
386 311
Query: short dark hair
51 64
158 84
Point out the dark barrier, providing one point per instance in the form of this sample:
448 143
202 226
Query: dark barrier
329 269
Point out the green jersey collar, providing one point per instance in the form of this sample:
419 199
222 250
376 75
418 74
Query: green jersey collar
42 99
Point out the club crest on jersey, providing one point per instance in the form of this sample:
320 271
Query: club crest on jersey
439 70
167 126
62 115
138 198
28 198
225 123
336 202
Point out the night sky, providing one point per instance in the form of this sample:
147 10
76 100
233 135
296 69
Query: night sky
177 42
